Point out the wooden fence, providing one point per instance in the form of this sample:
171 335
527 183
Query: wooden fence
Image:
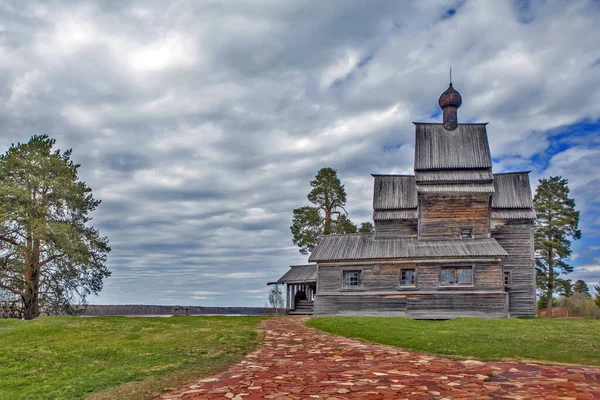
558 312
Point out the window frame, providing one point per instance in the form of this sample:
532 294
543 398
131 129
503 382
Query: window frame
456 285
412 286
465 230
360 279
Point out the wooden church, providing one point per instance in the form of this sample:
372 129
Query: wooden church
452 240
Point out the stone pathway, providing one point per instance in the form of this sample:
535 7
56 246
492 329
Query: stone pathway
297 362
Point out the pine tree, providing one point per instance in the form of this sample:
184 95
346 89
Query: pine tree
366 227
597 297
327 216
556 224
582 288
49 255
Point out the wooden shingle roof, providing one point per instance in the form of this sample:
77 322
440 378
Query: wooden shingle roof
466 147
366 247
386 215
299 274
453 176
394 192
512 190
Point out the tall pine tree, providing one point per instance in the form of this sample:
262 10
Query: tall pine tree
556 224
327 215
50 257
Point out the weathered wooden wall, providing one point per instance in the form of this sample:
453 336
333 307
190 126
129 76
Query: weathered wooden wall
365 305
516 237
382 276
380 293
396 228
415 305
443 215
441 305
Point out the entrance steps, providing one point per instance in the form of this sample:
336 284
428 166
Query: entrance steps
303 307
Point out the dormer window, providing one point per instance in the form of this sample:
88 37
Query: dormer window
466 233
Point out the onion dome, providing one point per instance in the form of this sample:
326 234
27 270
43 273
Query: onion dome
449 102
450 98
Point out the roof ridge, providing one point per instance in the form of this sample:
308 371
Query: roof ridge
514 172
396 175
348 234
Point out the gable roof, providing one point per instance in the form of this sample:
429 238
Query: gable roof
366 247
394 192
512 190
466 147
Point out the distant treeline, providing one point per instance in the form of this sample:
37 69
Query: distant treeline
141 309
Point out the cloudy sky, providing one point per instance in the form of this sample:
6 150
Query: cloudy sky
200 123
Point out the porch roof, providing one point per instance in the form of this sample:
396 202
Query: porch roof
299 274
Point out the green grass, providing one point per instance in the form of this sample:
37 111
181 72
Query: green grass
116 357
568 340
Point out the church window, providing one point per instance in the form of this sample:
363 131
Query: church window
352 279
456 276
408 277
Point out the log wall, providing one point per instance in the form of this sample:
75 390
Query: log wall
443 215
382 276
380 293
396 228
516 237
414 305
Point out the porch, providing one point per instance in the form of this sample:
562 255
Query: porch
301 287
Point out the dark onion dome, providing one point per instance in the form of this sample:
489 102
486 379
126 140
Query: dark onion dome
450 98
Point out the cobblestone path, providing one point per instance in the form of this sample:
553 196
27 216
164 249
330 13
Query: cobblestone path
297 362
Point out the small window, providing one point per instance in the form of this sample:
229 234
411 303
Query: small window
407 277
352 279
457 276
466 233
507 279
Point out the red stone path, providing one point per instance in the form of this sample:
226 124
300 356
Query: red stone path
297 362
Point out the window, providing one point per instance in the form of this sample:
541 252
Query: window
457 276
407 277
466 233
507 279
352 279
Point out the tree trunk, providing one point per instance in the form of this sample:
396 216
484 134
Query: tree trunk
327 225
550 286
550 290
31 291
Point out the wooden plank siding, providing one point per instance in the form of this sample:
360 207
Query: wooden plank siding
442 306
396 228
443 215
364 305
516 237
381 294
386 277
414 305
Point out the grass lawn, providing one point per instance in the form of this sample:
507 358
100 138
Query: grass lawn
116 357
567 340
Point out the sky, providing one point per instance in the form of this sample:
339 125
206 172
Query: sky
199 124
